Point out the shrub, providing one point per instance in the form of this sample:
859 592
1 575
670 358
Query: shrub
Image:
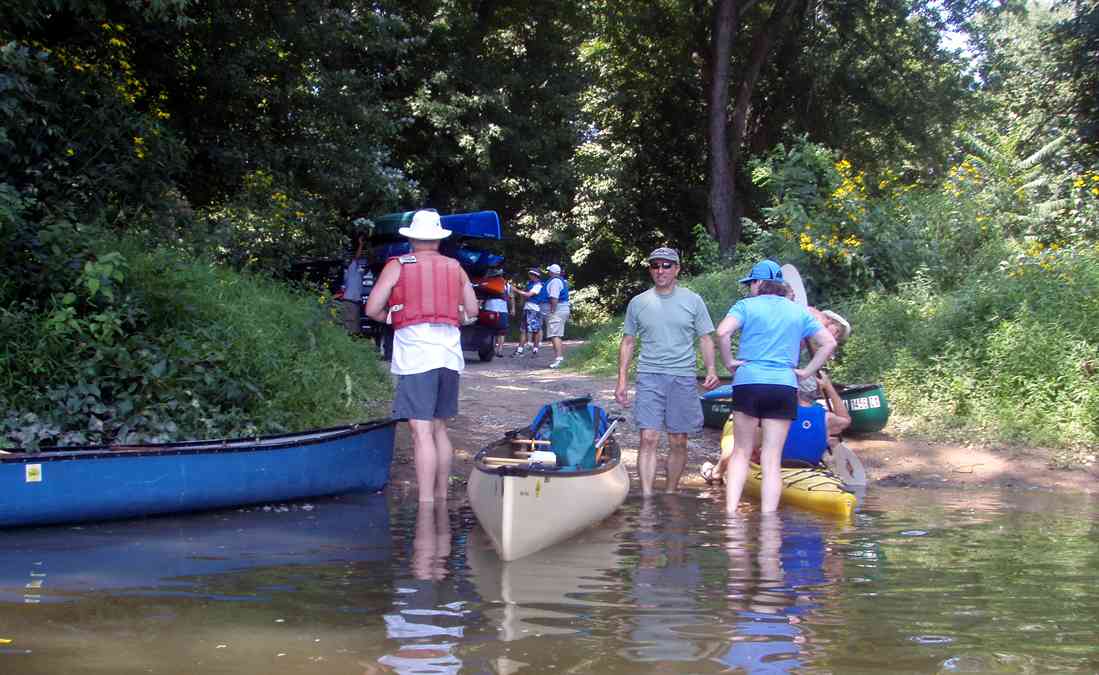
149 347
1009 355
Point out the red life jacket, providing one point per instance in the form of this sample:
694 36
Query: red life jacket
429 290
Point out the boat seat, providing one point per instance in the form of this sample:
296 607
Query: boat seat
572 426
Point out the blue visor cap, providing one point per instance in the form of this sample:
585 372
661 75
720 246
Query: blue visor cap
764 270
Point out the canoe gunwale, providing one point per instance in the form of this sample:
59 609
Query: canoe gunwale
215 446
502 448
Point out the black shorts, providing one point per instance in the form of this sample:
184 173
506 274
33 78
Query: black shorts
766 401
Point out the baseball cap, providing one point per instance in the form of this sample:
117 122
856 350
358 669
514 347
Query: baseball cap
554 269
665 253
536 272
809 388
764 270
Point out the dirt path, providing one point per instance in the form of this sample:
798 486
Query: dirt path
506 392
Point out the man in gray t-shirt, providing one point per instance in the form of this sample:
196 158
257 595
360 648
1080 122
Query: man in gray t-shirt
667 319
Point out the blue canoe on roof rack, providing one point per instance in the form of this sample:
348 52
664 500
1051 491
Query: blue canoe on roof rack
79 484
475 225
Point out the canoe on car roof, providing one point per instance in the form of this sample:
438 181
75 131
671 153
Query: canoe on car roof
475 225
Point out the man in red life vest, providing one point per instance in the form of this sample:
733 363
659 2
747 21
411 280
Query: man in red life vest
426 296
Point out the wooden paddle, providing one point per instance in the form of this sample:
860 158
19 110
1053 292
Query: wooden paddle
505 460
603 439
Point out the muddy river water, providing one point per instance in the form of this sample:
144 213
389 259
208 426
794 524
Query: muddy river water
918 581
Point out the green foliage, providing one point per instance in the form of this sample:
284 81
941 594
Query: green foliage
1078 37
599 355
148 347
266 226
1011 356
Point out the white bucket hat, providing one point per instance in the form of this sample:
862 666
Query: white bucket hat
425 226
845 327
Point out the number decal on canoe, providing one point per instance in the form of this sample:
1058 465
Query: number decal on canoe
863 403
34 473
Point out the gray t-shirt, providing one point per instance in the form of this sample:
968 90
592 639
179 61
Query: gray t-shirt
667 326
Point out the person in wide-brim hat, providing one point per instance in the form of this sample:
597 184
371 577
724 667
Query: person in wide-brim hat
425 296
425 226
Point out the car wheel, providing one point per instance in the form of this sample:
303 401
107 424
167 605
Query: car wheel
486 353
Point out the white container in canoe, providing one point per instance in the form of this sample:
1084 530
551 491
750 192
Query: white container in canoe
526 507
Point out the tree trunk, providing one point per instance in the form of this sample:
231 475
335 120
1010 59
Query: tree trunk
725 136
722 194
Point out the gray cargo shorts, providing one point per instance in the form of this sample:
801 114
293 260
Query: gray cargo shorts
668 403
426 396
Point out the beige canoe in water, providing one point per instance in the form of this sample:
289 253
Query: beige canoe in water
525 508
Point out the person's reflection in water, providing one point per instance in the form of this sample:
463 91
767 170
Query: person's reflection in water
768 637
426 623
431 545
666 585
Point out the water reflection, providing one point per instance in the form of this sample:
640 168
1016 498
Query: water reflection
429 615
919 581
771 591
544 594
666 583
189 555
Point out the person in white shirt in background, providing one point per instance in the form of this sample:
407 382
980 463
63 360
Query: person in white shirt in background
556 312
530 326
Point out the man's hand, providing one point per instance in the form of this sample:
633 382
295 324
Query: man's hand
622 395
711 380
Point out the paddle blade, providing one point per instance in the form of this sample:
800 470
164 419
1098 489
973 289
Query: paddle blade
792 277
845 464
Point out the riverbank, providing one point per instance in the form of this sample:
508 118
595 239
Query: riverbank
505 393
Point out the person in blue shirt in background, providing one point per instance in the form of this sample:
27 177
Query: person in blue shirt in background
353 290
765 376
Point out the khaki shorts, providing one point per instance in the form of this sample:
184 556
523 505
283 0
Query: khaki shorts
555 323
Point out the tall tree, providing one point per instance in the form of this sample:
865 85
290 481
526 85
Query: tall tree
726 132
1078 35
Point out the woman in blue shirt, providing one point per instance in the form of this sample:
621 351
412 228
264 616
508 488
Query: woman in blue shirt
765 376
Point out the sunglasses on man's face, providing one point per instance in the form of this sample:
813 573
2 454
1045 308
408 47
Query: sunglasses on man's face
661 265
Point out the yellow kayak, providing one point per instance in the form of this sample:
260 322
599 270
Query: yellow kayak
811 488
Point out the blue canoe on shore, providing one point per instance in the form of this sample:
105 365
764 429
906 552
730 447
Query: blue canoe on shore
80 484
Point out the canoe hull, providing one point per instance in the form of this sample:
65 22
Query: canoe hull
868 407
524 511
88 484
